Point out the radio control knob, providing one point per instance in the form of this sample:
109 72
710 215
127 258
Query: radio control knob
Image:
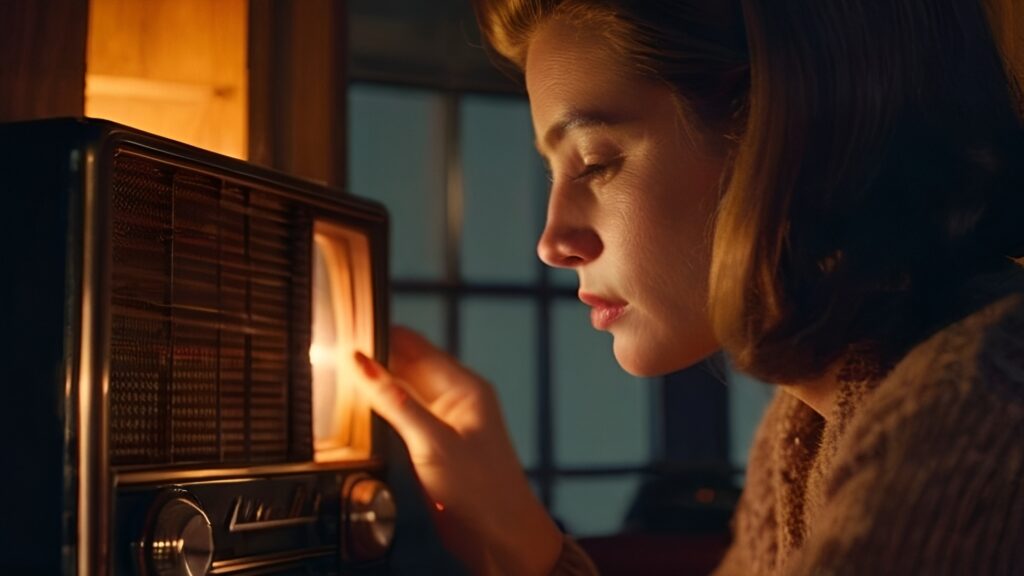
369 518
180 541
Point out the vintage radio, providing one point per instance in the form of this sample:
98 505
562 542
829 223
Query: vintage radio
178 331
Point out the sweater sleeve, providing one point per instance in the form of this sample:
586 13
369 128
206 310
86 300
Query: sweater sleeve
929 478
573 561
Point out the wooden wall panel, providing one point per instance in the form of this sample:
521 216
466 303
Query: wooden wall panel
173 67
42 58
297 87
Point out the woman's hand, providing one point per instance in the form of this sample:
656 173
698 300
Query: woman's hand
452 425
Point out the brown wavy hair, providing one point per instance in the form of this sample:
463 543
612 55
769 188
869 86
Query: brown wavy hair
875 155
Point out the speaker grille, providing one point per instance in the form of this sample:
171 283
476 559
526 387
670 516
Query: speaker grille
210 319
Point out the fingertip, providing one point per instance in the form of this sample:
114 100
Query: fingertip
386 395
382 392
369 367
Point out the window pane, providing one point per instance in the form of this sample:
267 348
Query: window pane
564 277
594 506
499 342
423 313
602 414
396 155
504 189
748 398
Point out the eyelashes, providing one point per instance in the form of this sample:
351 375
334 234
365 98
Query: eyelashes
589 171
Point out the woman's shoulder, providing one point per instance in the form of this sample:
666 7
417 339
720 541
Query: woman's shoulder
929 470
979 357
959 380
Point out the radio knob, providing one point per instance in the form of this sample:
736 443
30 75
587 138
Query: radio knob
181 539
369 517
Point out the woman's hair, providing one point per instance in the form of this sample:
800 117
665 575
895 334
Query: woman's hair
877 162
698 48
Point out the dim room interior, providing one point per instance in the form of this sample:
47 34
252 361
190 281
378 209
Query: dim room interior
395 101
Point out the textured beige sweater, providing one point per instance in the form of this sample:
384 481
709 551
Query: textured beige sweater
918 472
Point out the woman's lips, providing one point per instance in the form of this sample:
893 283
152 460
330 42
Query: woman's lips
603 313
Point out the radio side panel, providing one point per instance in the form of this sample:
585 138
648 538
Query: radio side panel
40 252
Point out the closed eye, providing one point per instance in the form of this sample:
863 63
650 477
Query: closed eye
604 169
589 171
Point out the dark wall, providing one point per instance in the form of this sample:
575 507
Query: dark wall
433 44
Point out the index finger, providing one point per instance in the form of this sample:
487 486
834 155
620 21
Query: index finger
389 397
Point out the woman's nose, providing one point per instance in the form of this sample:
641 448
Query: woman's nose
566 246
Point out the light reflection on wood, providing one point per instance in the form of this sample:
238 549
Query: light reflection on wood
176 68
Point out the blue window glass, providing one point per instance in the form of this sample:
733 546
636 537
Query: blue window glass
602 414
497 341
396 155
594 506
504 185
564 278
423 313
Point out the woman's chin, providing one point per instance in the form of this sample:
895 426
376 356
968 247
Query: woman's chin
656 359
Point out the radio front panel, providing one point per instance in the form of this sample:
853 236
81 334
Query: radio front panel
190 409
312 522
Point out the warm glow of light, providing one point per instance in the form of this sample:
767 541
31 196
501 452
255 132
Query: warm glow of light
705 495
176 68
320 355
343 321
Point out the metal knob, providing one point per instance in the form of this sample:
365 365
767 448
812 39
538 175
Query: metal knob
369 512
180 542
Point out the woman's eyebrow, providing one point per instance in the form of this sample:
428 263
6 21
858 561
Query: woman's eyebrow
574 120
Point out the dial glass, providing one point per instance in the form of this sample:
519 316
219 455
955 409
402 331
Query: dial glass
343 322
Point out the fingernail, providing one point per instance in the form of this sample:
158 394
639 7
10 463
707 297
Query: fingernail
368 366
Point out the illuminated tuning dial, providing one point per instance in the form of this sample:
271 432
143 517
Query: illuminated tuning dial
180 539
369 513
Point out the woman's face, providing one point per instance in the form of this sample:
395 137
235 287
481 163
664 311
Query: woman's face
631 201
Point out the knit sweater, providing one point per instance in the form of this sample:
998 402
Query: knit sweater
920 471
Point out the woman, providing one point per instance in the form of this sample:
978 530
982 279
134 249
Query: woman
830 191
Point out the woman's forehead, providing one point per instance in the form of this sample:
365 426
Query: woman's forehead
560 50
574 72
